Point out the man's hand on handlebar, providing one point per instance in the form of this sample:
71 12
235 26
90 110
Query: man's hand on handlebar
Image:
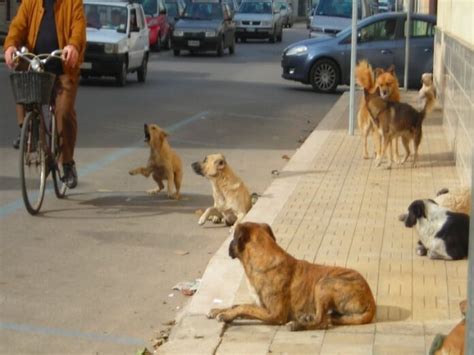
70 55
9 57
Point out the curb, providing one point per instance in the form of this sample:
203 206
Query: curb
223 276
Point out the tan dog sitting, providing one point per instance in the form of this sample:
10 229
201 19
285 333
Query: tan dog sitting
427 90
295 292
232 200
163 163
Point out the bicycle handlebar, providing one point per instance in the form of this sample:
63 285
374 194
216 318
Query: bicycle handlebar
37 62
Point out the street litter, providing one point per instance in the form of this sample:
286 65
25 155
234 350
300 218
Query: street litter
104 190
187 288
217 300
181 252
286 157
161 338
254 197
275 172
171 295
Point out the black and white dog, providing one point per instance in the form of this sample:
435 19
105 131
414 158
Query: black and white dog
443 234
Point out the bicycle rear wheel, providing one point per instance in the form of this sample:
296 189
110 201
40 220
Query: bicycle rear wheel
32 162
59 186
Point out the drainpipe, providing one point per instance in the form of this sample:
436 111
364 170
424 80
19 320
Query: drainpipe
407 46
352 110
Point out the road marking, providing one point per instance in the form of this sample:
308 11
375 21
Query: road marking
33 329
11 207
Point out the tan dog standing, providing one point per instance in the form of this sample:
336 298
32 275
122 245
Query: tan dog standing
163 163
295 292
232 200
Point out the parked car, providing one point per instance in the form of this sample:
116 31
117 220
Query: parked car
158 24
259 19
324 63
117 40
286 13
206 25
332 16
233 5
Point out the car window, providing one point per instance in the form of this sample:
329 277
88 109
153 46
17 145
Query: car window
420 28
203 11
106 17
254 7
133 21
149 6
337 8
172 9
378 31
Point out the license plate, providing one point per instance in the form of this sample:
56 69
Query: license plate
193 43
250 29
86 65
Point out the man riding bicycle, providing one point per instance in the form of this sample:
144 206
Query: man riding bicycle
43 26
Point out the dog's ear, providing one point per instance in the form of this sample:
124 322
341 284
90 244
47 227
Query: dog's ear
221 163
391 69
268 229
241 236
377 91
164 134
378 72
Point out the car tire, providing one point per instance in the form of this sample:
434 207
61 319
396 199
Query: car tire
324 76
220 48
176 52
232 47
142 71
121 77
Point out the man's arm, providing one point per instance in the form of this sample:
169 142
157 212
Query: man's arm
18 30
78 32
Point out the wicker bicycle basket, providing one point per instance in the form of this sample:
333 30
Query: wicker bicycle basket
32 87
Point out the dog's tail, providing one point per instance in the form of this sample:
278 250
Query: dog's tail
430 101
365 76
436 344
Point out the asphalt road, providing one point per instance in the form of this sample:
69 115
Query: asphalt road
93 273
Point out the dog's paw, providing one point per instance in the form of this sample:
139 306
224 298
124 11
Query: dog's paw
378 162
154 191
214 312
403 217
202 220
306 318
132 172
174 196
421 251
293 326
216 219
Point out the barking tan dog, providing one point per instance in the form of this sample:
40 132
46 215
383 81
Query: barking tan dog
163 163
395 119
453 343
387 82
428 88
232 200
295 292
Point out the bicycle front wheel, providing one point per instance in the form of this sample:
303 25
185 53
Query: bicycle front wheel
32 163
59 186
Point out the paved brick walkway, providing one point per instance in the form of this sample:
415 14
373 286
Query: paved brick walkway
344 212
331 206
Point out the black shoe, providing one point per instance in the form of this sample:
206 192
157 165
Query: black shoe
16 142
70 174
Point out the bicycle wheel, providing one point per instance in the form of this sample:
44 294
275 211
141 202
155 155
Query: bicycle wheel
56 168
32 163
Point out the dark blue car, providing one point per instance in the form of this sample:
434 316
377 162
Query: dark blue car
325 62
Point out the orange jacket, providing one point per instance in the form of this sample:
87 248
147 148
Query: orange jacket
70 27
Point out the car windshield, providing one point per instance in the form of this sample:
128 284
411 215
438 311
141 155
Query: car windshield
203 11
149 6
336 8
254 7
172 9
106 17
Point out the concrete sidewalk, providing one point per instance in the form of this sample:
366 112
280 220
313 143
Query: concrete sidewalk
332 207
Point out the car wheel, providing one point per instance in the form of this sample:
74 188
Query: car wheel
324 76
176 52
142 71
122 75
232 47
220 48
273 36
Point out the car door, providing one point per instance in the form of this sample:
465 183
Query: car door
138 35
421 52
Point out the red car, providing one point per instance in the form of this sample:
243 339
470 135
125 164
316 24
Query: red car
160 29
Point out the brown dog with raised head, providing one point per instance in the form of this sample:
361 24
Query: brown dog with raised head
295 292
387 82
232 200
163 162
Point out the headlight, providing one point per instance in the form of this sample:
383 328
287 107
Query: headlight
210 34
298 50
178 33
110 48
266 23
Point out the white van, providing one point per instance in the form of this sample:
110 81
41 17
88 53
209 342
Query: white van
332 16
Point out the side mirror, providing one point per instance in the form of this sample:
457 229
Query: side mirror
162 12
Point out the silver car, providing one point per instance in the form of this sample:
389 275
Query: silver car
117 40
259 19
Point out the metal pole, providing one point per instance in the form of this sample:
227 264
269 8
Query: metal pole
352 110
407 46
469 336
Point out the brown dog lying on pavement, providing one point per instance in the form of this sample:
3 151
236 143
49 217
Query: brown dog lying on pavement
453 343
163 163
295 292
232 200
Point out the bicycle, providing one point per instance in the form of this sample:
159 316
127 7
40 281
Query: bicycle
39 139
